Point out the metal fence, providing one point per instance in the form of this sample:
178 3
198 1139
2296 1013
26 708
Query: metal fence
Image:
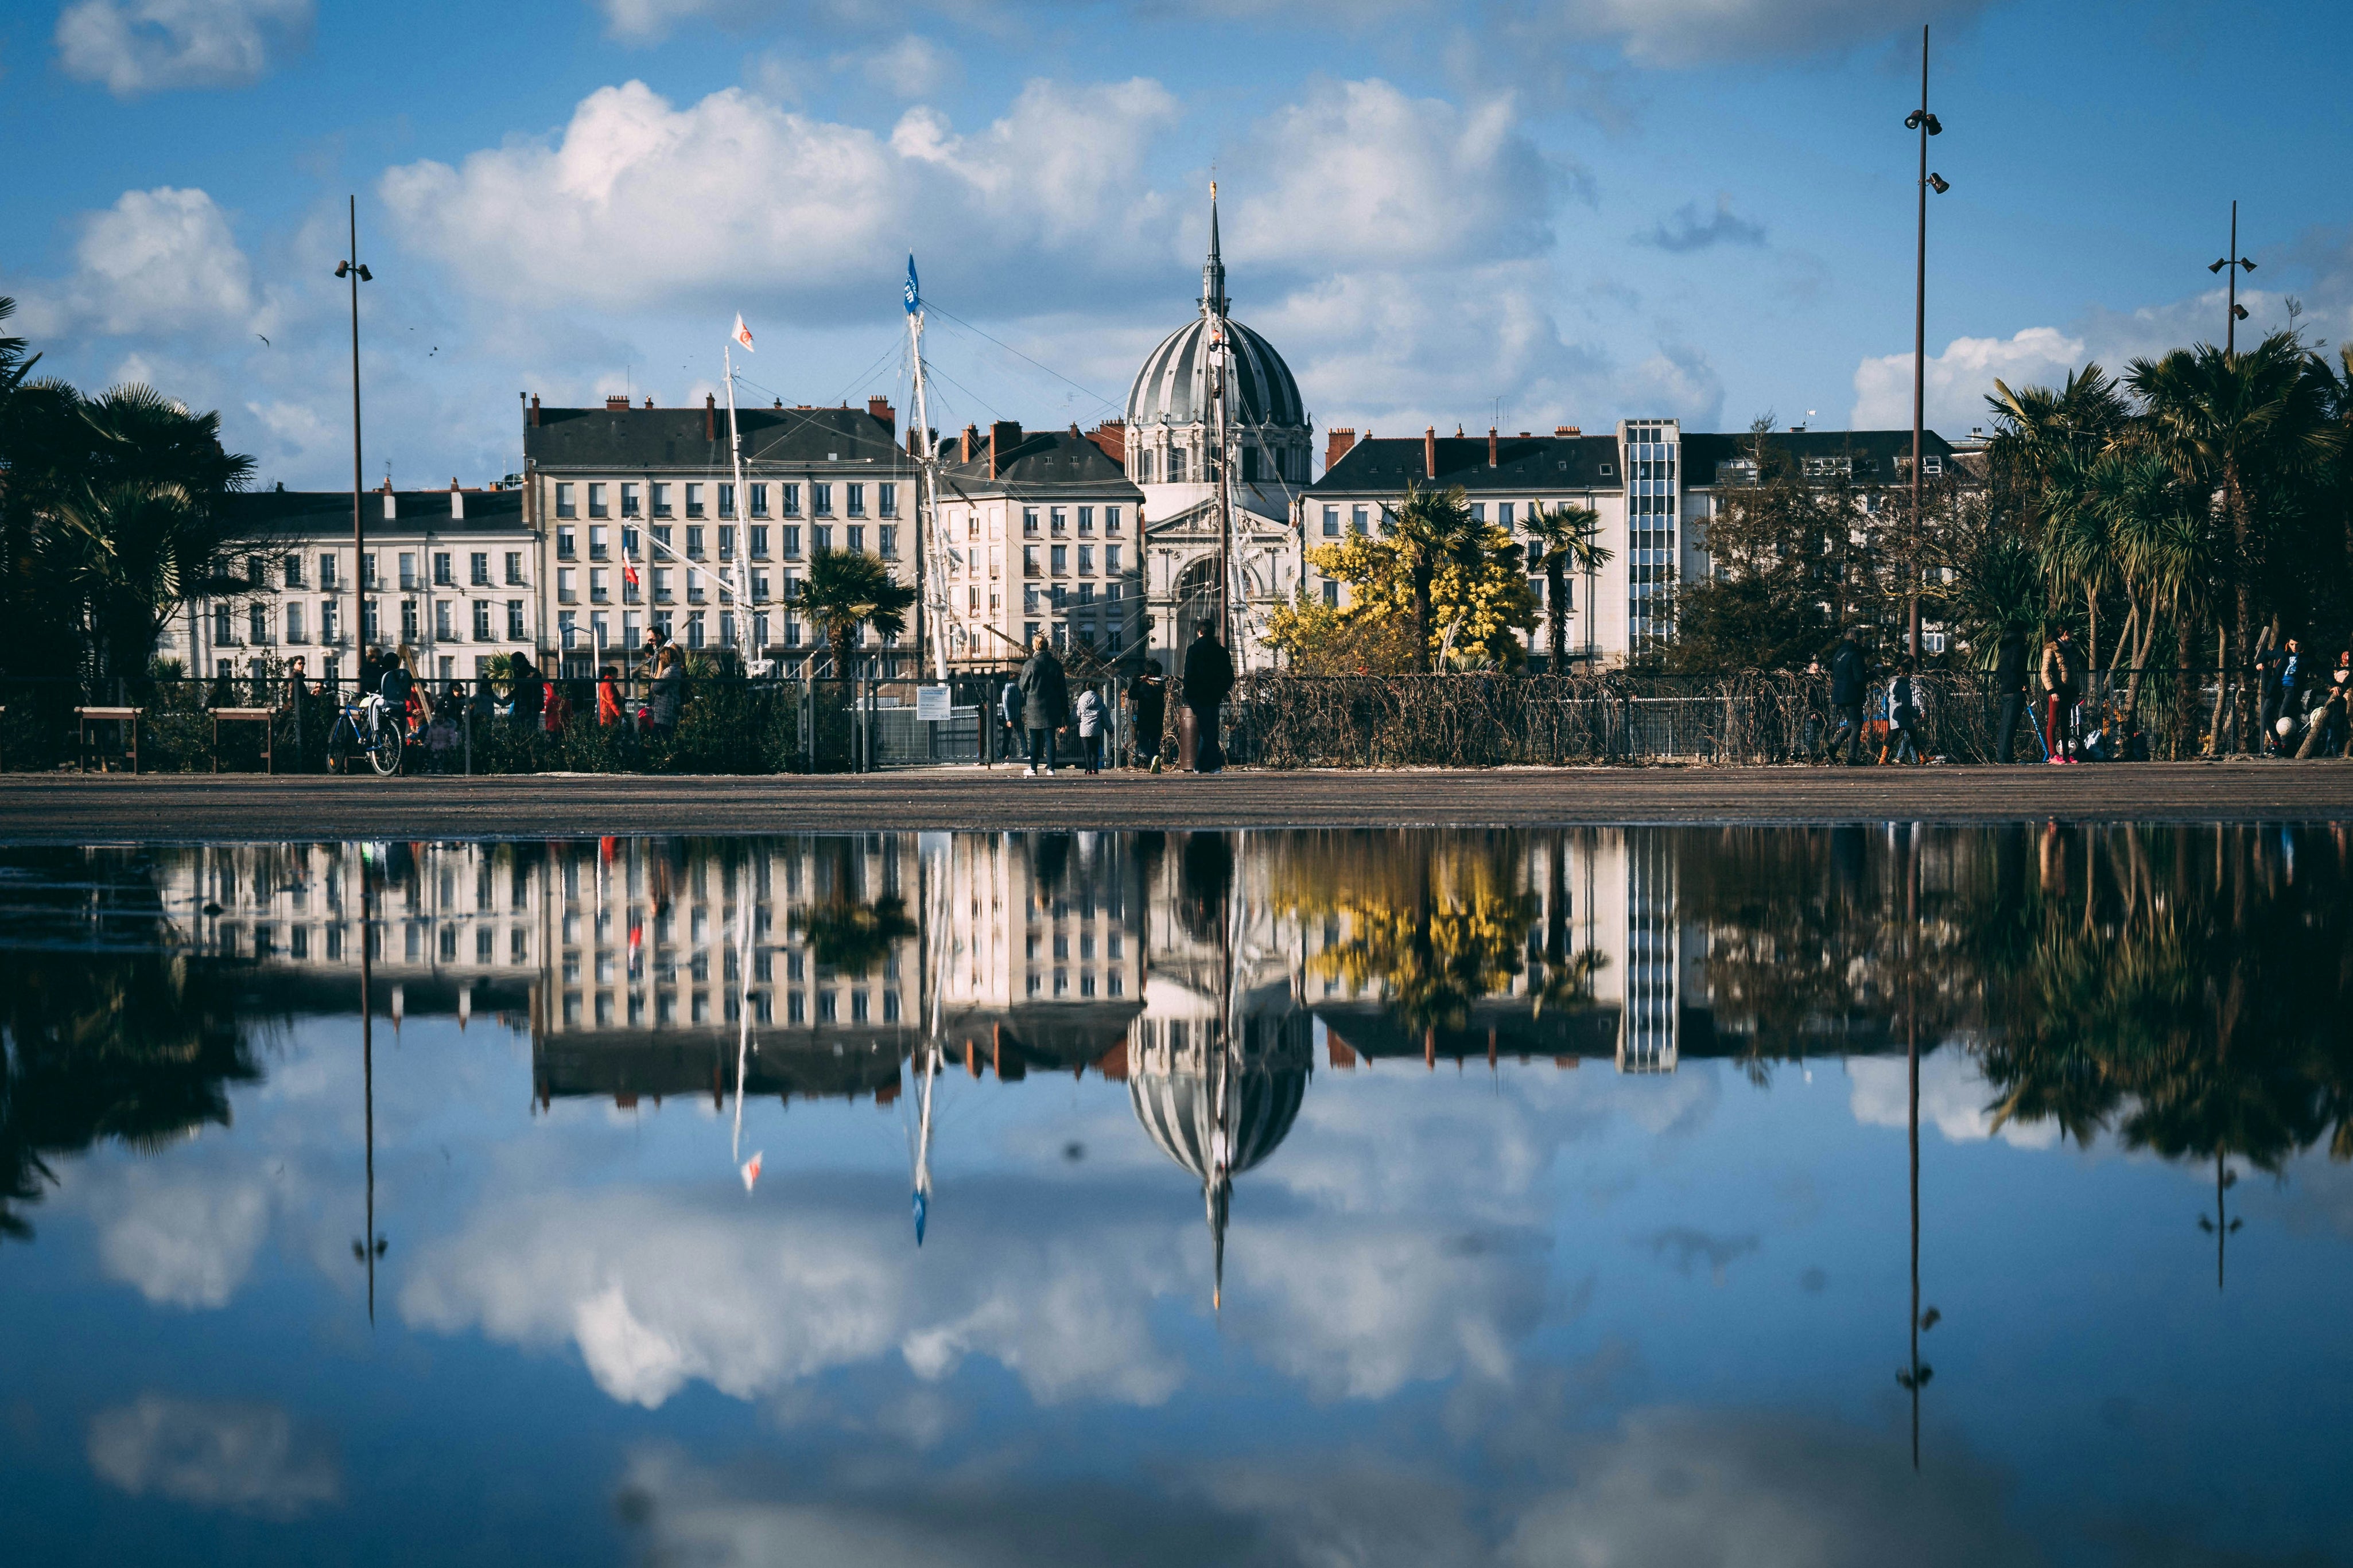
732 725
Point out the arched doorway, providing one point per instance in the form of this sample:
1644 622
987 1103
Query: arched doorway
1197 600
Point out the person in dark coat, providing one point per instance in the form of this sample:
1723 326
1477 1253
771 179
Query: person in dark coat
1208 677
1849 680
1045 704
1147 706
530 696
2009 685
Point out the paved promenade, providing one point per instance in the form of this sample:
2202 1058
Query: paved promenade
55 808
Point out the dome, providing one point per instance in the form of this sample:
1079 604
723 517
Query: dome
1173 386
1176 1111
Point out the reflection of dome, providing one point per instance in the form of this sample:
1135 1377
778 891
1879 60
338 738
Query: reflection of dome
1173 386
1178 1111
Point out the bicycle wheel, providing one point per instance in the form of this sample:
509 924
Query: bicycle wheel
343 745
384 750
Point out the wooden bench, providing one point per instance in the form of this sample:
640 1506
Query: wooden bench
265 717
86 717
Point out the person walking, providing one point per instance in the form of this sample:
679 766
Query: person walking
1008 713
669 691
1903 717
1045 704
529 696
608 696
2288 670
1088 710
1147 709
1849 680
1208 677
2009 685
2063 673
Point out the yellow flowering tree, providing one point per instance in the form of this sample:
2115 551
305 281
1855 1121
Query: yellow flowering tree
1478 607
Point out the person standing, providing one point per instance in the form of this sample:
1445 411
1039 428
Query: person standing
1008 713
1088 712
1903 716
1208 677
1045 704
1147 707
2062 681
529 696
669 691
608 697
2289 663
2009 685
1848 678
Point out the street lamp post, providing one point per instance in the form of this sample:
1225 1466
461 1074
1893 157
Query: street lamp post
1926 123
2231 264
352 268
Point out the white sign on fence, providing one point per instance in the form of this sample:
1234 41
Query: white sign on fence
930 704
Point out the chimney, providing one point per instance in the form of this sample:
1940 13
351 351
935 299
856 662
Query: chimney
1004 435
880 407
1563 432
649 400
534 410
1429 452
970 450
1494 447
710 416
615 402
1337 444
457 499
1109 438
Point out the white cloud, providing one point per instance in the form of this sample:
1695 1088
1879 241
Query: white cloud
152 46
639 203
1954 1099
911 67
161 261
187 1240
1955 383
243 1458
1668 33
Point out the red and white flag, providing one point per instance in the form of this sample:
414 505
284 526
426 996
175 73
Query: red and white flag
743 334
751 1172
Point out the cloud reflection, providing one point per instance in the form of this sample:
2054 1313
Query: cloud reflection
242 1458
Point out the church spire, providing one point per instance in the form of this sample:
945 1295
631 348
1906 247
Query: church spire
1213 271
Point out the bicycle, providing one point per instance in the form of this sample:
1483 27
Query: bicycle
362 730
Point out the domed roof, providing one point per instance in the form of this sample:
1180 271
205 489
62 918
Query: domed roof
1173 387
1178 1112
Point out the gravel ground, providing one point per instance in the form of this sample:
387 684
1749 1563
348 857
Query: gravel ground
53 808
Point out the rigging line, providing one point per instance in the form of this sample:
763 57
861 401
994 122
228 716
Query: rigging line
1016 353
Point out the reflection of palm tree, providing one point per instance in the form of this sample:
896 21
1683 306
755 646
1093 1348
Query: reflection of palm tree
853 937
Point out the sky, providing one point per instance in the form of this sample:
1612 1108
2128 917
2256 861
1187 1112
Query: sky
1520 212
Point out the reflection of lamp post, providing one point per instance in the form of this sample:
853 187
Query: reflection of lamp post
2222 1225
1916 1376
368 1249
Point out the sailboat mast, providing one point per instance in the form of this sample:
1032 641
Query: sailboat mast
735 578
931 576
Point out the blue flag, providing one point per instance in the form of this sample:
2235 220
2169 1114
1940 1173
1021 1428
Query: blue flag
914 294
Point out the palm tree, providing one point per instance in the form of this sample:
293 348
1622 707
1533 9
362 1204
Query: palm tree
1434 530
848 589
128 556
1565 538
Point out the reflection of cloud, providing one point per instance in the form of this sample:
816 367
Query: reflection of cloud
1685 1488
656 1292
186 1239
1687 1247
1953 1099
246 1458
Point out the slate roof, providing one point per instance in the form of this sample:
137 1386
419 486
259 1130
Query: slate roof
1044 463
274 514
1173 386
614 439
1874 452
1522 463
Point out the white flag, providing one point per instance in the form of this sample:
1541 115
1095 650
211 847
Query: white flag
743 333
751 1172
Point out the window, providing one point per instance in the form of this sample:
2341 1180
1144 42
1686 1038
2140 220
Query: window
1086 519
1931 463
257 622
442 575
759 631
327 570
1176 464
1086 560
887 541
759 500
564 506
1357 519
564 577
369 630
1029 522
857 531
1330 593
760 589
1330 522
1503 514
694 629
727 500
1478 511
1062 558
294 623
482 620
856 500
661 497
759 543
995 561
408 620
514 620
599 586
568 626
1111 560
292 567
596 500
598 547
791 542
567 548
1059 520
442 630
694 545
820 537
514 568
1111 520
820 501
790 498
629 543
328 611
1030 604
630 501
408 570
661 584
1143 468
1030 561
886 503
693 500
728 544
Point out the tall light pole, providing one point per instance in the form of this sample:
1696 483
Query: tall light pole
2233 263
350 267
1926 123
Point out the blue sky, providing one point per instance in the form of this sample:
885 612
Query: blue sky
1587 209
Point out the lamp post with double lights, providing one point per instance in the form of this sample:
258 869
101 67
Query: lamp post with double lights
354 268
2231 264
1927 124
